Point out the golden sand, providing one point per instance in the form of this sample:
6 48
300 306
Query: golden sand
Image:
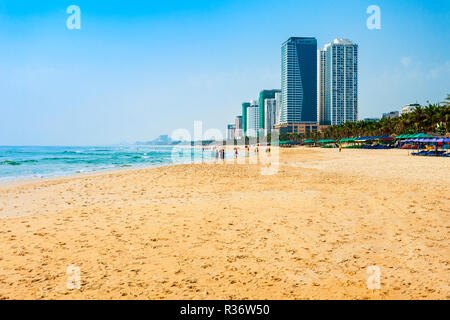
228 232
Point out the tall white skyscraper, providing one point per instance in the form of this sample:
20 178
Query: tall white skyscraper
253 119
340 83
270 114
321 87
278 108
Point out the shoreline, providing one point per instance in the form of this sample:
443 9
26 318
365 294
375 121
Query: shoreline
19 180
25 181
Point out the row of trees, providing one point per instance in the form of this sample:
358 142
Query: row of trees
433 118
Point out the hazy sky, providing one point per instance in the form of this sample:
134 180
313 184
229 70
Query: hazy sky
136 70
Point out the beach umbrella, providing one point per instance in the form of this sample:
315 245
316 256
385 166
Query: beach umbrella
384 137
415 135
326 141
422 135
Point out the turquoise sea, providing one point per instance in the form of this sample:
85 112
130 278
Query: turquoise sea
18 163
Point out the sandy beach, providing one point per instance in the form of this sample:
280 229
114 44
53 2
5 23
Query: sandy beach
210 231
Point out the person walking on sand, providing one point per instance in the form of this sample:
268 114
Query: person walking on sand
235 153
340 147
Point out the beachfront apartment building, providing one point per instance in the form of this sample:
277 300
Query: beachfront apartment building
245 106
278 108
270 114
231 132
253 119
299 81
391 115
238 125
299 128
321 116
410 108
339 85
263 96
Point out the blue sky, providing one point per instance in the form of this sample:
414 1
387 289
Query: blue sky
139 69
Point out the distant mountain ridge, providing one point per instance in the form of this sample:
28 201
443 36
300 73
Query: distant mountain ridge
160 141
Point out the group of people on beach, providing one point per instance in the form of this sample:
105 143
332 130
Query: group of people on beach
219 152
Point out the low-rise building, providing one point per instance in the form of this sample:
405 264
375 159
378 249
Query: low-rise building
410 108
299 128
231 132
391 115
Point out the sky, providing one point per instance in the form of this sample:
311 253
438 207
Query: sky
135 69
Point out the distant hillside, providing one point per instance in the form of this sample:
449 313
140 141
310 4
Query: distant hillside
160 141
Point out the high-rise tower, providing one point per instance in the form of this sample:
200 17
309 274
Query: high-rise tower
321 116
341 82
299 81
263 95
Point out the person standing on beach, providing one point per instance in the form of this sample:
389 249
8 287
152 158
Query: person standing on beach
340 147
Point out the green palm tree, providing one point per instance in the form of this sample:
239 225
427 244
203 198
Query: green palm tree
446 102
431 118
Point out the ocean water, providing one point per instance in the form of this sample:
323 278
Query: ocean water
17 163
